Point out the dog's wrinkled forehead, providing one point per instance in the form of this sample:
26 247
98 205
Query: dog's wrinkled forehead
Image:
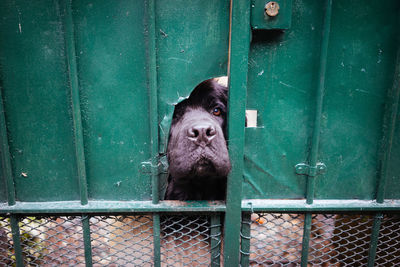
207 95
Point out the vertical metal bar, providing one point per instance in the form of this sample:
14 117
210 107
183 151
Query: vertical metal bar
319 100
388 130
87 240
153 101
76 106
215 234
16 240
156 240
5 155
374 239
306 239
245 236
239 44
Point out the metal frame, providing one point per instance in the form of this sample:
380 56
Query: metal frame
237 211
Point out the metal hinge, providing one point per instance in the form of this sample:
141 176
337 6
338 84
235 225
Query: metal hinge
305 169
160 167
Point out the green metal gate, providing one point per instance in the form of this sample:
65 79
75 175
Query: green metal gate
87 94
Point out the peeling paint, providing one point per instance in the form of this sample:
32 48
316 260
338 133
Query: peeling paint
163 33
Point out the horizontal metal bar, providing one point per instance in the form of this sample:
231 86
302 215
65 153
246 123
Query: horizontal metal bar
253 205
300 205
112 207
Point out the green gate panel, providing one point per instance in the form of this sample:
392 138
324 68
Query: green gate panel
283 68
192 46
283 80
111 62
108 42
115 85
360 72
34 81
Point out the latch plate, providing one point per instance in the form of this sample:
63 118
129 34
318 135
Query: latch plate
148 167
305 169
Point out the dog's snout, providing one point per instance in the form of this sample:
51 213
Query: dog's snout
202 133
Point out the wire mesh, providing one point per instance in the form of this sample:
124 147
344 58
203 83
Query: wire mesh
340 240
7 257
122 240
52 241
388 250
186 241
276 239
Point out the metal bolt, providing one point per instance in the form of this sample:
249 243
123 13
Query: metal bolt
272 9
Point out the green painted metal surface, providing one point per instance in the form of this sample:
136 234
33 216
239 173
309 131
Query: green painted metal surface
98 53
284 104
237 81
3 189
192 46
79 123
111 50
355 96
88 88
283 80
36 101
391 159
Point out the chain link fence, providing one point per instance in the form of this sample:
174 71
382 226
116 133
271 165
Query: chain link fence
388 250
186 240
340 240
114 241
275 239
7 257
122 240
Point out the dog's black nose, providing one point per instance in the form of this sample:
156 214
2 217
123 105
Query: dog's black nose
202 133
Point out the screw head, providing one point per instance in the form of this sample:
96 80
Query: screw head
272 9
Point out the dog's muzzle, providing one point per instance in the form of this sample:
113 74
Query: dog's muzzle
202 134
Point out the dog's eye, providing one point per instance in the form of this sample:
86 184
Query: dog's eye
217 111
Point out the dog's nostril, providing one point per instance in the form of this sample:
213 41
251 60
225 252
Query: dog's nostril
210 131
193 132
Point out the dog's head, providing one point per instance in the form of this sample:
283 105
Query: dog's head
197 147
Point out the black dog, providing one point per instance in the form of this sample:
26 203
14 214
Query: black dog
197 152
